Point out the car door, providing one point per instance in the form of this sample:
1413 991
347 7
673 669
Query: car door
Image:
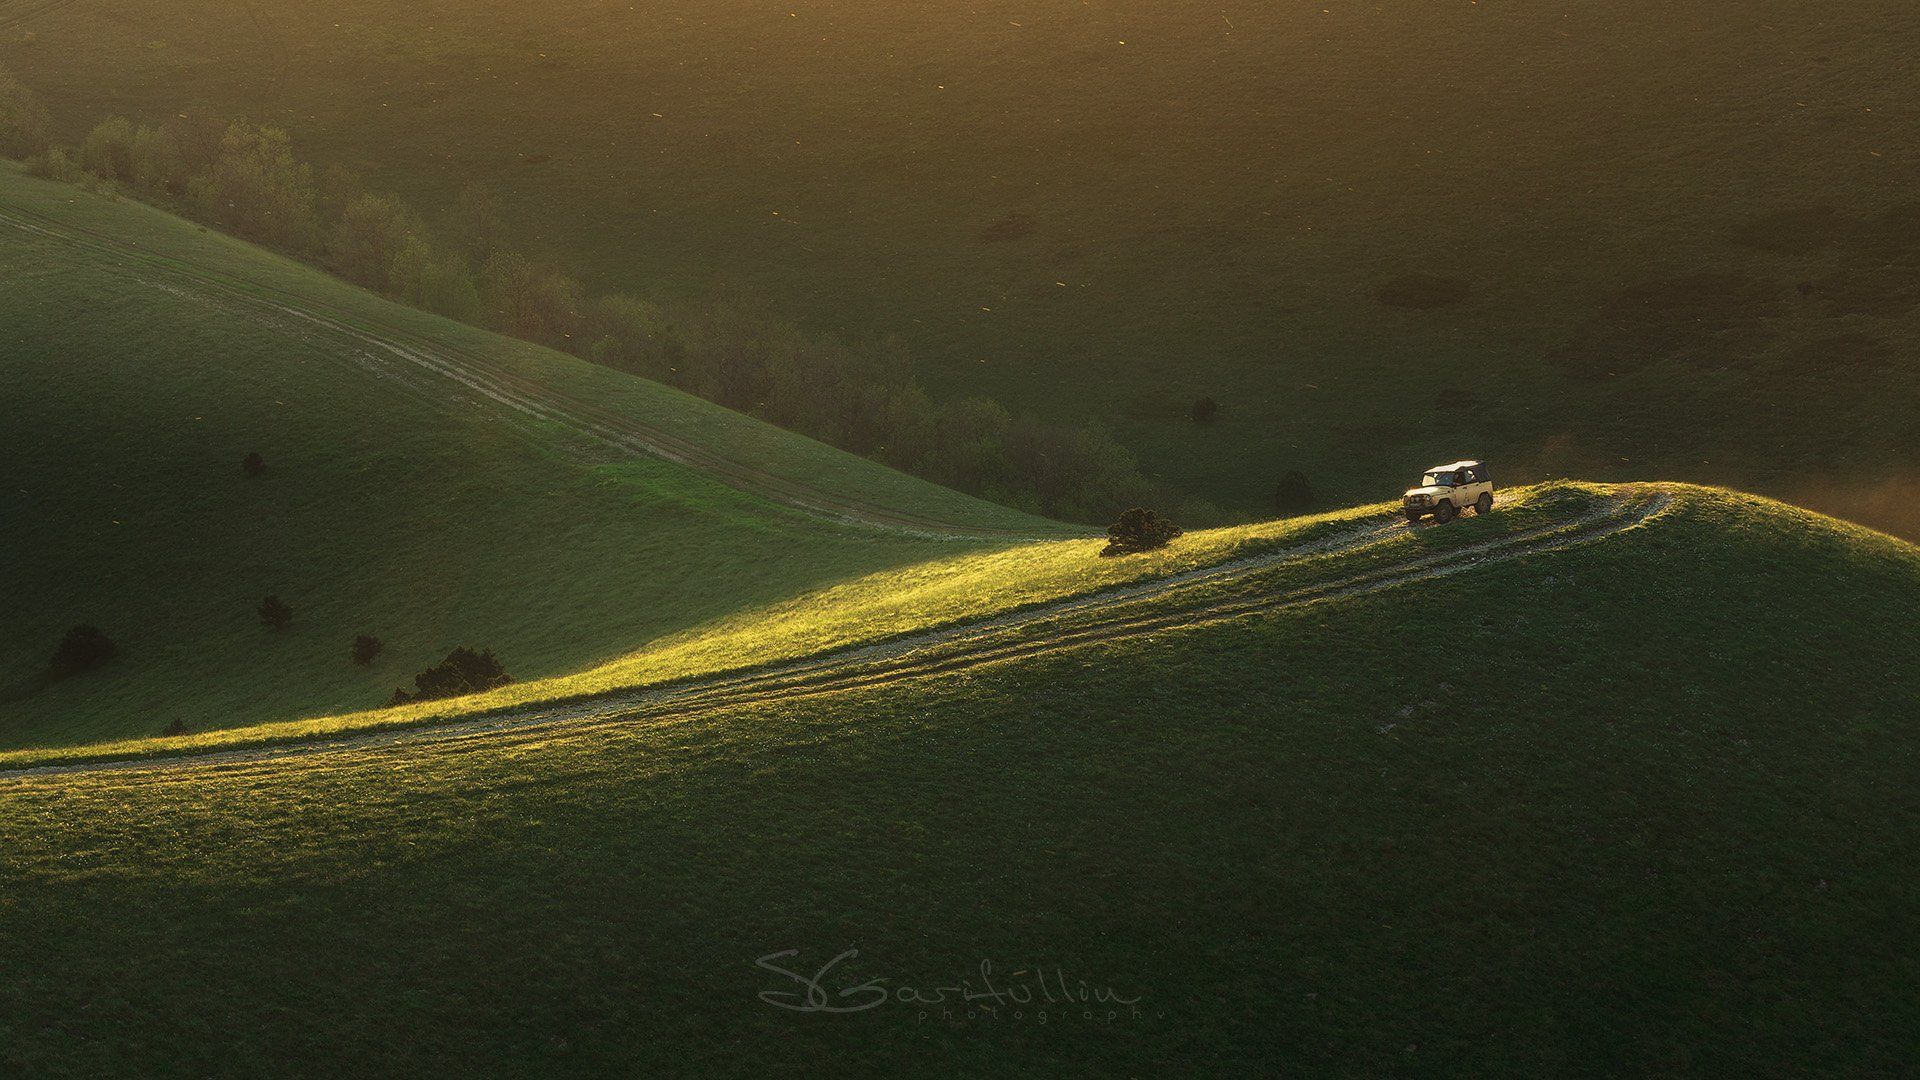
1471 485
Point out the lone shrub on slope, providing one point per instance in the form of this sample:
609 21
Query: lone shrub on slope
366 648
1138 530
275 613
462 672
83 649
1294 495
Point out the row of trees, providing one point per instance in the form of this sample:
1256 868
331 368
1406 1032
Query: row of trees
860 396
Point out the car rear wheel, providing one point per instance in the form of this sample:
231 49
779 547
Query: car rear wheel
1445 512
1485 504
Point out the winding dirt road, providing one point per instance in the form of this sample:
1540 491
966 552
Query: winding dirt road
452 376
1194 598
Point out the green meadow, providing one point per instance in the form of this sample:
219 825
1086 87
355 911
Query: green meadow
1632 241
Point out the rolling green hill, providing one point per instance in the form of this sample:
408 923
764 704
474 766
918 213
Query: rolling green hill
1616 780
425 483
1672 240
1636 803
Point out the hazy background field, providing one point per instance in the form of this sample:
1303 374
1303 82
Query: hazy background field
1669 219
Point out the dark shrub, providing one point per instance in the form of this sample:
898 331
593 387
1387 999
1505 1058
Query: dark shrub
253 464
175 727
275 613
1205 410
83 649
1294 495
365 648
1138 530
462 672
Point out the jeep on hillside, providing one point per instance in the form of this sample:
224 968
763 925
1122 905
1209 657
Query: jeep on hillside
1446 490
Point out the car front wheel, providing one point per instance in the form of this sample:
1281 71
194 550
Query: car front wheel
1445 512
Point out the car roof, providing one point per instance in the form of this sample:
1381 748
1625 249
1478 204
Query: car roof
1455 465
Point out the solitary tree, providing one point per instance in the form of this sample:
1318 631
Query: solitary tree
1138 530
275 613
84 648
1294 495
175 727
253 464
365 648
462 672
1204 410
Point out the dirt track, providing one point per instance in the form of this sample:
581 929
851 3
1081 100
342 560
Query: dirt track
438 372
1194 598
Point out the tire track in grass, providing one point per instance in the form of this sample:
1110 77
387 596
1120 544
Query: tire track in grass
1144 609
508 389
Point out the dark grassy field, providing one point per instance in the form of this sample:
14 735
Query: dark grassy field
1581 814
1658 240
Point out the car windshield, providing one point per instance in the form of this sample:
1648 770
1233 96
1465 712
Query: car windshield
1437 479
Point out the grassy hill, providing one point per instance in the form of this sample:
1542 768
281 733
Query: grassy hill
1670 240
1616 780
1634 805
426 483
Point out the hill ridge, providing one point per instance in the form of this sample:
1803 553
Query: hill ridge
1178 601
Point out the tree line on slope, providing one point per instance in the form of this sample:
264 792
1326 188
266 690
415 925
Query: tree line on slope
860 396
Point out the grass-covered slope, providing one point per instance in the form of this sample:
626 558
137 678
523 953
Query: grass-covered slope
1634 806
944 615
1108 210
425 483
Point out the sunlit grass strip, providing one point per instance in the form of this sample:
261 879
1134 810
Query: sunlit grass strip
948 592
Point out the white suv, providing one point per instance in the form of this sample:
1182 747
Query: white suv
1448 489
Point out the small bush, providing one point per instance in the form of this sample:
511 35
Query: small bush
175 727
1138 530
83 649
57 164
253 464
462 672
365 648
1294 495
275 613
1205 410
